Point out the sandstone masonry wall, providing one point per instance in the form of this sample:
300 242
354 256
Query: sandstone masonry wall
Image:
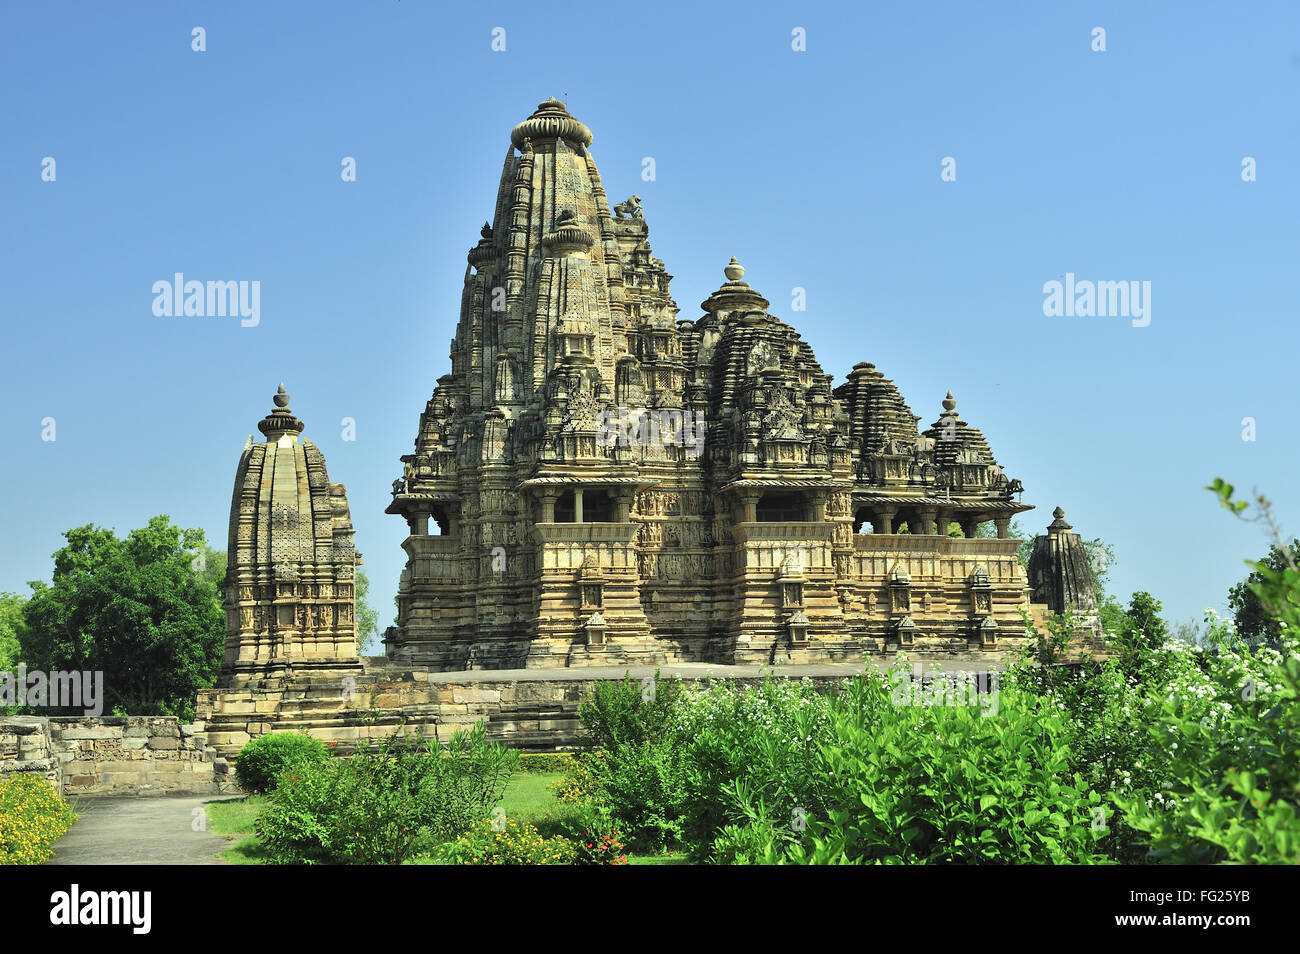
113 755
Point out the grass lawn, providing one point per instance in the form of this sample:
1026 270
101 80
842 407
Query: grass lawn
233 820
527 798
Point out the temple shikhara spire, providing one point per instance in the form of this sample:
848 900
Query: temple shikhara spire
598 479
290 581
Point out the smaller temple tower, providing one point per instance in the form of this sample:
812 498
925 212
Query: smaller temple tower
290 581
1060 574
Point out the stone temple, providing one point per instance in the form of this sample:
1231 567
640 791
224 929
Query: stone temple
600 482
600 479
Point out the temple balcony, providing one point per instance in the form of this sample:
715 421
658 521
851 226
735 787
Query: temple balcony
772 545
875 556
564 546
433 559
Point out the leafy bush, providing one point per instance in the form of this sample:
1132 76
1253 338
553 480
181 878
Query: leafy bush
630 712
387 802
596 837
639 776
642 783
580 781
541 762
503 841
300 826
1226 733
731 728
33 816
263 759
880 782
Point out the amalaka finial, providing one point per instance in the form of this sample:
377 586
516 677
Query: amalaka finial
734 271
281 420
1059 524
950 403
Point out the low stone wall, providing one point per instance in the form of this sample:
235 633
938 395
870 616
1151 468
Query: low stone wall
530 710
113 755
25 746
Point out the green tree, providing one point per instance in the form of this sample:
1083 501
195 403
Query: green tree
210 564
1142 621
367 618
138 609
11 628
1254 623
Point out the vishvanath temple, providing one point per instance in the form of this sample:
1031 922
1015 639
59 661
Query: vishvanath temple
601 481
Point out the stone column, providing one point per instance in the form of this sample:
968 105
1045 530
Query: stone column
577 505
886 519
548 506
1002 523
926 516
970 525
749 508
622 507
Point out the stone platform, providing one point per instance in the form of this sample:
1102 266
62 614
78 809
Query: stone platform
530 709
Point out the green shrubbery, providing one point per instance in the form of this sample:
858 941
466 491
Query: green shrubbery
635 726
1162 753
33 816
544 762
386 803
911 784
263 759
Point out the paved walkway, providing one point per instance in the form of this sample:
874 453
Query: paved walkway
136 830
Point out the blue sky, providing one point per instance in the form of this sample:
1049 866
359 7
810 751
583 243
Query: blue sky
818 169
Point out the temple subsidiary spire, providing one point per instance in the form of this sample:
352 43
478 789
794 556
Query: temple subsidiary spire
735 294
280 422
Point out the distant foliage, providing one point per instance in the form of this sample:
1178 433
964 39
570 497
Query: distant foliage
540 762
367 617
139 609
1254 622
11 629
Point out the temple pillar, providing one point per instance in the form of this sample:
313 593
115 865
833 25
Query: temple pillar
548 506
886 520
577 505
1002 523
926 517
748 508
